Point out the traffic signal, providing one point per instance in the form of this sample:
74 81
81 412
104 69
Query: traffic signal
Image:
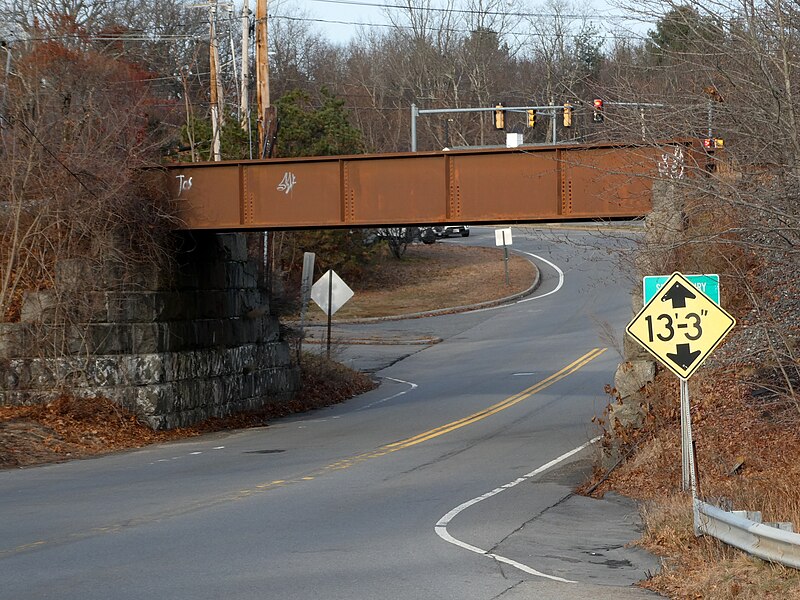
567 114
499 116
597 115
531 118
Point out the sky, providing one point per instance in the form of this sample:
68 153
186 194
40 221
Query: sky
338 20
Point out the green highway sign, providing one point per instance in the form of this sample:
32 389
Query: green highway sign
708 284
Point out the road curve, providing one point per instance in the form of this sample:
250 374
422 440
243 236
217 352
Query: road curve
476 439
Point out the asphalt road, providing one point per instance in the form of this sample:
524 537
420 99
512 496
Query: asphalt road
451 480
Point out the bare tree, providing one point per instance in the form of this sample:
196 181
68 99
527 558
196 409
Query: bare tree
729 71
77 128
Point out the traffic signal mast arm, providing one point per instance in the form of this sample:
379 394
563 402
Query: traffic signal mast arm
635 104
433 111
549 108
566 110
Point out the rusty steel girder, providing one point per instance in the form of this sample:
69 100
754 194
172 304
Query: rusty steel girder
498 185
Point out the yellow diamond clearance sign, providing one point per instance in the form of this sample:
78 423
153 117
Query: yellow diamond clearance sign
680 326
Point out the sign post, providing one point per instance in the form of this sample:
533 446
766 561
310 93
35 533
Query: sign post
305 295
330 293
688 468
502 237
680 325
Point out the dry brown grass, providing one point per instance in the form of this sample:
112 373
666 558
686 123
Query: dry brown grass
704 567
433 277
69 428
729 428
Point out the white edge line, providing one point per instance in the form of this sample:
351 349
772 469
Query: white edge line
393 396
441 525
558 287
560 278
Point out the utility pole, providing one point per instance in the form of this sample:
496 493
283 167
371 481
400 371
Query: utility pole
189 116
244 106
5 46
266 121
216 92
233 49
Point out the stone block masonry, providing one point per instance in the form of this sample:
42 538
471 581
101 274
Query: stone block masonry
663 229
175 345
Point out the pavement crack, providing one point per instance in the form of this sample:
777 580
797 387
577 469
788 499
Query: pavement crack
435 460
457 451
531 520
508 589
501 569
393 362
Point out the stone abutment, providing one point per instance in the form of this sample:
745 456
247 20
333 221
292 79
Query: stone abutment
175 345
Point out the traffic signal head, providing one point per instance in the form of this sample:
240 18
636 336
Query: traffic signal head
499 116
597 115
567 114
531 118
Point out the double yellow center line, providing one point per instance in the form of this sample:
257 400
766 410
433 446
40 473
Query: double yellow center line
496 408
346 463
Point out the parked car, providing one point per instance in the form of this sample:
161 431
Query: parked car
448 230
429 234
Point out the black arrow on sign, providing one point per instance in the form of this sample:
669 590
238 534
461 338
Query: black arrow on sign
683 356
678 294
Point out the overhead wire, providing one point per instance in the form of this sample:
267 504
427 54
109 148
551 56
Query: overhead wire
231 19
51 153
473 11
539 34
187 37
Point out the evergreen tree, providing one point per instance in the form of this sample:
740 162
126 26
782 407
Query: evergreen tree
305 130
308 130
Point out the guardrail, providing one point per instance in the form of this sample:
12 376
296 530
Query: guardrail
744 530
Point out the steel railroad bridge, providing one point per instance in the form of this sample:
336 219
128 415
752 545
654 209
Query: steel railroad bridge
473 186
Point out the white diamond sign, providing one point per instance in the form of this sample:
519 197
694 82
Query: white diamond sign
330 285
